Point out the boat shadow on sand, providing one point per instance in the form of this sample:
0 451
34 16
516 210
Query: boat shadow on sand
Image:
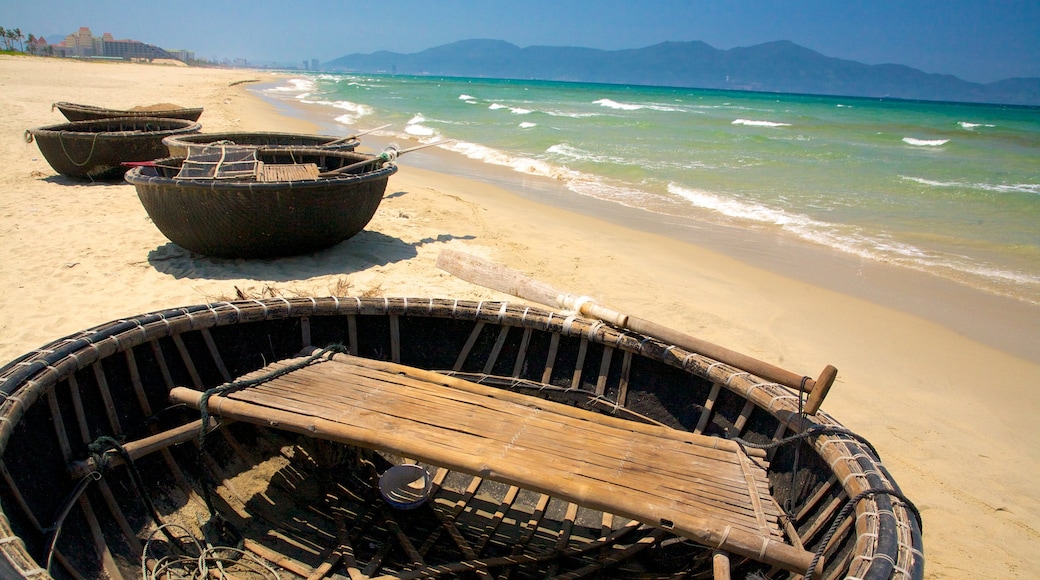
361 252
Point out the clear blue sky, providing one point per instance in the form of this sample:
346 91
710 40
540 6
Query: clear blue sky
976 40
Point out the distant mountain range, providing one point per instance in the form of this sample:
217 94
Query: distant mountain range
780 66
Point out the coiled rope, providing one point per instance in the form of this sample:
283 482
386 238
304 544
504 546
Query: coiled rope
210 561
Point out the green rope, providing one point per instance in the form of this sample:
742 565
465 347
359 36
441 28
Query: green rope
93 143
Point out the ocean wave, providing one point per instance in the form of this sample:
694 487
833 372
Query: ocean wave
294 85
999 187
925 142
571 114
415 127
735 208
354 111
527 125
465 97
973 126
514 110
612 104
753 123
517 163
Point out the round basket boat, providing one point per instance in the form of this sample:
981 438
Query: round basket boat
555 446
246 218
178 144
97 149
77 112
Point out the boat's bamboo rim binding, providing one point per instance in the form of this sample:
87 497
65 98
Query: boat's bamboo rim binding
887 533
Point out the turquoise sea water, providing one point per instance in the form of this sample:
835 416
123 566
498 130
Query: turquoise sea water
949 189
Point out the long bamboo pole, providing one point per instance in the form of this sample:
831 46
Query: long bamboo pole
497 277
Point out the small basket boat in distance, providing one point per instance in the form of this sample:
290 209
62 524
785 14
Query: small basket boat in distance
285 202
77 112
549 444
178 144
96 149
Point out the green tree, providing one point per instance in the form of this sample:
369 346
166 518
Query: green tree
19 37
32 43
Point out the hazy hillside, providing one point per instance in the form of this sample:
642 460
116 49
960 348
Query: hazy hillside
780 66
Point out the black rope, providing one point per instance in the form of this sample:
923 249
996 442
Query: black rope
106 443
844 513
59 521
797 450
810 432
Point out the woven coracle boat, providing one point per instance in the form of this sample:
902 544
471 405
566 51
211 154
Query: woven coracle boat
98 149
178 144
77 112
285 202
415 438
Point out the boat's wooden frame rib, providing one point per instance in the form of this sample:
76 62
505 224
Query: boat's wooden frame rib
880 540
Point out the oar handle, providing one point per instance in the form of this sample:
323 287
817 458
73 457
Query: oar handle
360 134
389 154
497 277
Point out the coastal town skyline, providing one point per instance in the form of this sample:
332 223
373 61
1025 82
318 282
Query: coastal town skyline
973 40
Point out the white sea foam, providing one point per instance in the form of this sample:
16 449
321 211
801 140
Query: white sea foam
296 85
415 127
571 115
999 187
465 97
754 123
734 208
612 104
527 125
354 111
616 105
925 142
496 106
973 126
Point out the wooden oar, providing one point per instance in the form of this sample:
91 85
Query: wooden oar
389 154
356 135
497 277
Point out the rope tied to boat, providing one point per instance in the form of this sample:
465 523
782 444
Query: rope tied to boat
844 513
98 450
245 384
390 154
851 503
810 432
90 155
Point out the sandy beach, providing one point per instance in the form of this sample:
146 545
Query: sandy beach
951 412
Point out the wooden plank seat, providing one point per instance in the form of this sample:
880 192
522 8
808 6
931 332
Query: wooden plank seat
703 488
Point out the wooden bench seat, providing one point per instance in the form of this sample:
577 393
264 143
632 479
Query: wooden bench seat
703 488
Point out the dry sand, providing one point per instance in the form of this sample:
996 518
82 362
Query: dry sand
954 419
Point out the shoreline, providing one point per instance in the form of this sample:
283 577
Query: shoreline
974 313
952 418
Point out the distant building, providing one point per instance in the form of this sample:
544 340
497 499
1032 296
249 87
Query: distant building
183 55
84 44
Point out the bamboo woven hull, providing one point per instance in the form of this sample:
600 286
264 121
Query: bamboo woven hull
301 502
178 144
249 219
77 112
97 149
